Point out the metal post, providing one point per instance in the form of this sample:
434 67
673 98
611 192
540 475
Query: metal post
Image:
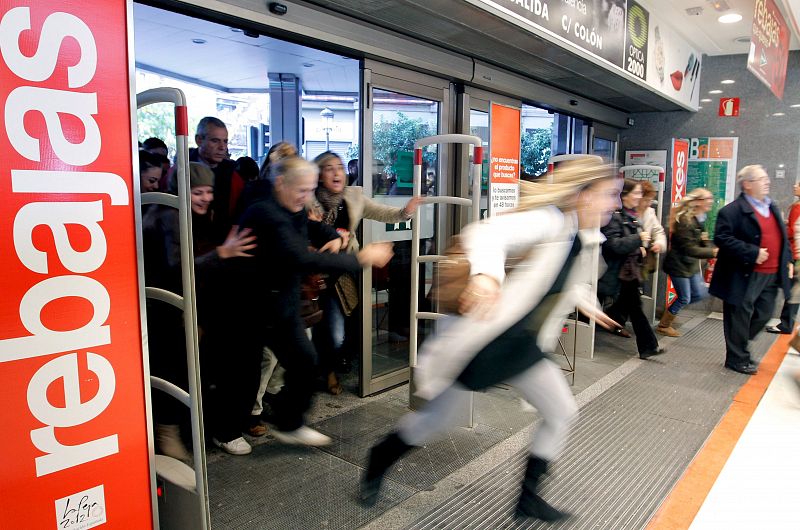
186 302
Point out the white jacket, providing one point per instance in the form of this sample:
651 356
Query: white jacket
651 224
545 236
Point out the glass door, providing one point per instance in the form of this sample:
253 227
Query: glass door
603 141
399 107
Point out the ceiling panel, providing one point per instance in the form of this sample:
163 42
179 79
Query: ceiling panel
232 60
704 30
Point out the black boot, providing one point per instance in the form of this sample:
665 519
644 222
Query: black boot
381 458
530 504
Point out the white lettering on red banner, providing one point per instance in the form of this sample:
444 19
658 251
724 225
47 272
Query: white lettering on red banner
70 339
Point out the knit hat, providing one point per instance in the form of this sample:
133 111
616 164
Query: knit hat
200 175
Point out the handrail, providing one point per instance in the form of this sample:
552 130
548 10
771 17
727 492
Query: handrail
416 259
171 389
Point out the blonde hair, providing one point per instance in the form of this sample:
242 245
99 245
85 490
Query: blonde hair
687 208
290 168
561 186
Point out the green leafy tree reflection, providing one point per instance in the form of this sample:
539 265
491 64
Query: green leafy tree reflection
536 149
391 137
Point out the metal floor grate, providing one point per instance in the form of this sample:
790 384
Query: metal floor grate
627 449
281 487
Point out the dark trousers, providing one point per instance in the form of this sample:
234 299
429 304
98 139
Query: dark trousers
167 351
231 371
744 321
289 342
628 305
329 333
788 314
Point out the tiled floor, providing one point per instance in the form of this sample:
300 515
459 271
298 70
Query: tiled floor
758 487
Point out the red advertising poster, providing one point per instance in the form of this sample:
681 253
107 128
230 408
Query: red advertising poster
680 165
74 441
769 46
504 157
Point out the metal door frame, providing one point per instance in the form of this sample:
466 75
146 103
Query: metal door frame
396 79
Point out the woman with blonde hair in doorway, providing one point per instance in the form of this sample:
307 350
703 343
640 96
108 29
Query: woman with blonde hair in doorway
508 323
689 244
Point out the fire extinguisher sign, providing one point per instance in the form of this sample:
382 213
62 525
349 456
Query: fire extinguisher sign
75 438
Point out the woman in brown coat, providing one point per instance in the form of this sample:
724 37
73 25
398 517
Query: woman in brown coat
343 207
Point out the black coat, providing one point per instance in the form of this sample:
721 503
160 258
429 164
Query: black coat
269 283
687 248
738 237
622 238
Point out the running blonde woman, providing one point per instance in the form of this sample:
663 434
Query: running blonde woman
510 323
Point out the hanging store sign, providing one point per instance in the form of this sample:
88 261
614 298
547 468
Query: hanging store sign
75 425
769 47
597 27
623 33
504 157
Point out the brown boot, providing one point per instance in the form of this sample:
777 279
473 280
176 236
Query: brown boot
333 384
665 326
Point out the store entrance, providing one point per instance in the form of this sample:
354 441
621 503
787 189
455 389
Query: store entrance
398 107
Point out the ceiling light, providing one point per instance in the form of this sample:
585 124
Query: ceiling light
700 107
730 18
715 91
727 81
778 114
780 166
308 65
199 41
744 39
732 132
705 100
236 30
795 106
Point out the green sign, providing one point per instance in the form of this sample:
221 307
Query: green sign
404 169
398 227
712 175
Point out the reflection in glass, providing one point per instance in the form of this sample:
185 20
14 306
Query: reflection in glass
604 148
537 141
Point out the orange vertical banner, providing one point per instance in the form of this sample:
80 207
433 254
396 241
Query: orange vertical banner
504 157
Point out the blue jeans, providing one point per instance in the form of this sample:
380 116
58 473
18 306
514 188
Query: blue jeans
689 290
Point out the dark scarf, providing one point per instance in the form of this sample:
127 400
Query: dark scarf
330 204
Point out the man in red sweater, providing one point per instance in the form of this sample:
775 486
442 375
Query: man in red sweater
789 311
754 261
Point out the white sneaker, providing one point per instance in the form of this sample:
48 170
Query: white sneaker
237 446
302 436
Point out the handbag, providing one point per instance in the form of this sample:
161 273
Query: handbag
347 290
451 276
310 289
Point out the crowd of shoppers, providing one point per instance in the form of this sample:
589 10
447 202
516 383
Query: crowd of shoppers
258 232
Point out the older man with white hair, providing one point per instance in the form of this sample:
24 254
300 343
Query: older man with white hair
754 261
